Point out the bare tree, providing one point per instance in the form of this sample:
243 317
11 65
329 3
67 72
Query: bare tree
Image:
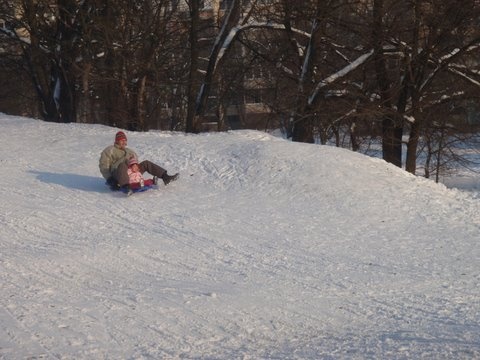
343 69
45 32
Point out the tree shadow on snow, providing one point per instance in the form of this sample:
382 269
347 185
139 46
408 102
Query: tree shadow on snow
73 181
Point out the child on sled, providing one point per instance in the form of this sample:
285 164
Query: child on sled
135 177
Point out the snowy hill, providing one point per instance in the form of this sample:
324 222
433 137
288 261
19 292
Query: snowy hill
264 249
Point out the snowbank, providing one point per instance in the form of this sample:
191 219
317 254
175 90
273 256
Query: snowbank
263 249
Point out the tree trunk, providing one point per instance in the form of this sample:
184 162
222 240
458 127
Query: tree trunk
392 130
412 145
190 125
392 141
63 93
353 137
230 20
303 131
302 119
64 87
141 123
84 103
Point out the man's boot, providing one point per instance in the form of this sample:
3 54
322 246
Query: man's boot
167 179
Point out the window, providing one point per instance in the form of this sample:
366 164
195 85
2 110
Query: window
253 96
258 72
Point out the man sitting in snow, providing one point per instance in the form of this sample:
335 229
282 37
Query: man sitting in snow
114 164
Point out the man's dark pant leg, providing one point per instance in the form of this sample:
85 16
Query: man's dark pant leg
121 174
151 168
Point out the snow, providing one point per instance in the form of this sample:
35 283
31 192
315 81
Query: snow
341 73
263 249
465 76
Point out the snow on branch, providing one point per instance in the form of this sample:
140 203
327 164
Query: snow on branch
463 75
339 74
409 118
251 25
12 34
445 59
308 55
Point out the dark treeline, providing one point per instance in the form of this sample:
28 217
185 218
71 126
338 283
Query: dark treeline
347 71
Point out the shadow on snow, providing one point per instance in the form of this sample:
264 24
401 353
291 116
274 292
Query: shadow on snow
73 181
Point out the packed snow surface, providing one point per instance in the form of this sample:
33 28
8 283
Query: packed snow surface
263 249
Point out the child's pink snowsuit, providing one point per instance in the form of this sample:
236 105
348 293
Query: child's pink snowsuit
134 177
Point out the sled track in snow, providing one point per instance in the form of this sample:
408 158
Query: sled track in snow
261 249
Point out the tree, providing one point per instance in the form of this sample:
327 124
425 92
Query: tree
344 69
191 125
134 49
392 126
442 36
45 32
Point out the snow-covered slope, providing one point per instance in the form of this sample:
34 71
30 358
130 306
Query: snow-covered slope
263 249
